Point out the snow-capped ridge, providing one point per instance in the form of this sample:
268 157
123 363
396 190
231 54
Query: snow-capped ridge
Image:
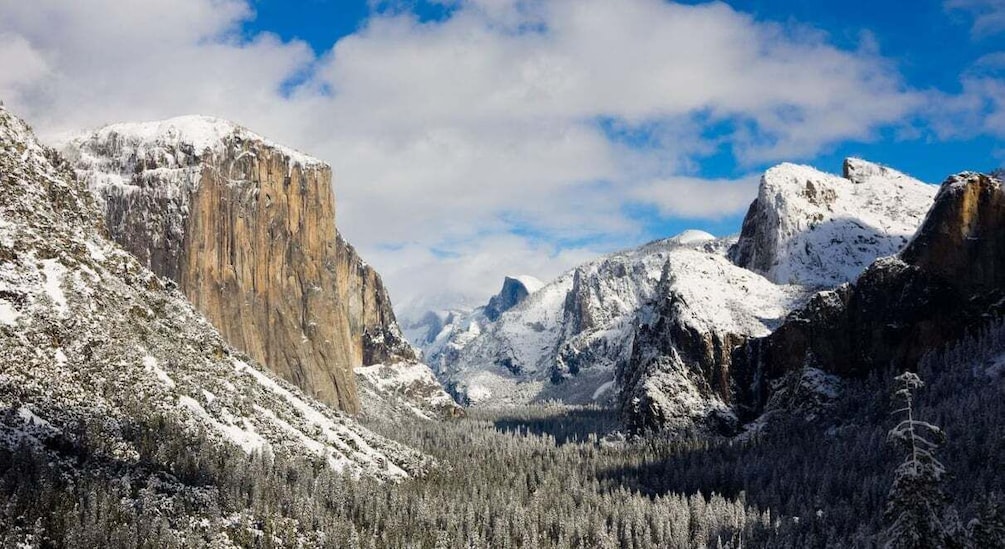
817 229
199 132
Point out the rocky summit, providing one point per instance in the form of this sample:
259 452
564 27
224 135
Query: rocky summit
819 230
246 228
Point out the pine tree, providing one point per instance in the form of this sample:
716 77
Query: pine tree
917 507
988 529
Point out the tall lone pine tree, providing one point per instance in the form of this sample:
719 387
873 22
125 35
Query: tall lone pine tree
917 512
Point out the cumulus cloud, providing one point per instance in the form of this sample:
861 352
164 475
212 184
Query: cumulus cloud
507 137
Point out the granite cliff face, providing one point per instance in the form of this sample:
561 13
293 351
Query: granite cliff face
513 292
949 279
246 228
374 331
98 348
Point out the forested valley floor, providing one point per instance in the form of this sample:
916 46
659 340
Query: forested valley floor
545 476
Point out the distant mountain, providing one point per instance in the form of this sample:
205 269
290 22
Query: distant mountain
107 366
440 335
652 329
246 228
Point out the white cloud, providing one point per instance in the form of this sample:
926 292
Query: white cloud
692 197
448 135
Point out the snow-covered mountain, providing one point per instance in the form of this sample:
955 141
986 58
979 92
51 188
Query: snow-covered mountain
564 340
440 335
652 329
246 228
678 372
948 281
815 229
97 348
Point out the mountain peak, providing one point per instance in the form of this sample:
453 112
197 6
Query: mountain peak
817 229
862 171
190 134
514 290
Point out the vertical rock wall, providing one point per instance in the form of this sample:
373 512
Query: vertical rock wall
247 230
260 261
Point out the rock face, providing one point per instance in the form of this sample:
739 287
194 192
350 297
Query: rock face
373 329
247 230
679 374
947 280
514 291
815 229
97 348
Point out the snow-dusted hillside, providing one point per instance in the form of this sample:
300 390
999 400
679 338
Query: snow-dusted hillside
96 346
812 228
389 391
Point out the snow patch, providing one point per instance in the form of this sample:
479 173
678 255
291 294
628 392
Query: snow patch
8 314
245 437
150 365
693 236
54 272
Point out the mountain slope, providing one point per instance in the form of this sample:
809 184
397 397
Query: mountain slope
98 349
246 228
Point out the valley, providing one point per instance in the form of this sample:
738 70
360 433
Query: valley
194 356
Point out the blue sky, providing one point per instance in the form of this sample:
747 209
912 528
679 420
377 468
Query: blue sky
476 138
929 44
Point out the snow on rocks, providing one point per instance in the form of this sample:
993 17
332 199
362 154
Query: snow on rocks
386 390
564 341
816 229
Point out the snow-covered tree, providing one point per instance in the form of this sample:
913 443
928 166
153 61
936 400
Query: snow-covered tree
917 508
